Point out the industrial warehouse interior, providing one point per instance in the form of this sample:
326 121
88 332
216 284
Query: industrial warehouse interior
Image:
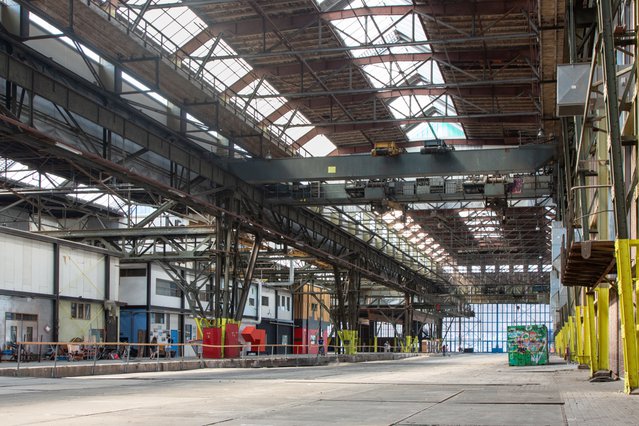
291 212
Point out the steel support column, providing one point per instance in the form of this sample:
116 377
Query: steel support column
219 259
628 323
572 337
602 327
248 277
612 117
591 332
55 332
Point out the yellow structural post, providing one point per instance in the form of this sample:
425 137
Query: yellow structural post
349 340
222 323
591 332
586 333
602 327
628 324
579 325
573 338
201 323
375 344
559 342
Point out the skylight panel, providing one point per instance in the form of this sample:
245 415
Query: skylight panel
297 132
147 91
431 73
408 36
425 106
367 31
179 24
220 73
261 107
477 213
19 173
50 29
292 124
442 131
389 74
44 24
170 28
372 3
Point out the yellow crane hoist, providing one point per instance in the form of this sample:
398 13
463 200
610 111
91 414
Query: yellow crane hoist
385 149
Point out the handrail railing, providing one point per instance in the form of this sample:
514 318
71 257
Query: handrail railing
90 351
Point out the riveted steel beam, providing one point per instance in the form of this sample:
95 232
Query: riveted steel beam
525 159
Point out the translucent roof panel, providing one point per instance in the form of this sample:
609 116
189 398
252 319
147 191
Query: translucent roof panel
390 74
407 34
442 130
291 118
361 3
259 108
16 172
147 91
50 29
421 106
429 71
219 73
319 146
382 30
171 27
255 99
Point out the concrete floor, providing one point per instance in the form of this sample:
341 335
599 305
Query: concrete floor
462 389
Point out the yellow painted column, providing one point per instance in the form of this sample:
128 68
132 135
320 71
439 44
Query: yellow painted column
579 325
591 331
586 332
573 338
628 324
559 342
349 341
602 327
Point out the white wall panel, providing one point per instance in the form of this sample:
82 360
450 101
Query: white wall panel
133 290
268 311
159 300
114 283
26 265
251 311
285 310
81 273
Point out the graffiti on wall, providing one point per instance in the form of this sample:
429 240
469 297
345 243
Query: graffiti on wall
527 344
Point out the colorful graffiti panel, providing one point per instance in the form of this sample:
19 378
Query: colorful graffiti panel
527 345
